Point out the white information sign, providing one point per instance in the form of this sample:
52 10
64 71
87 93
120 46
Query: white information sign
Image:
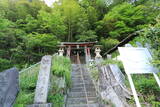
136 60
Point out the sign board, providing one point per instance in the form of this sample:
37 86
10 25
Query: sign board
9 87
136 60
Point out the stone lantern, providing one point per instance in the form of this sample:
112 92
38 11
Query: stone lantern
98 57
97 51
61 50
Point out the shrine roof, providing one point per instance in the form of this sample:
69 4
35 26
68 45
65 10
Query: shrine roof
78 43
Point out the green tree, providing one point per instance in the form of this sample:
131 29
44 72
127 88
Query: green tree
87 36
52 22
38 45
122 20
75 18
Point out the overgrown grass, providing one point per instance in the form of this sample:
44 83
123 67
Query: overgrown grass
27 81
148 88
61 67
61 70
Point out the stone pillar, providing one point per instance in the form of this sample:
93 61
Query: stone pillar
41 92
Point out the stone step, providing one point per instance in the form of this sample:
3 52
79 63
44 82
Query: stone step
76 100
81 82
79 74
81 94
81 100
80 78
82 89
83 105
81 85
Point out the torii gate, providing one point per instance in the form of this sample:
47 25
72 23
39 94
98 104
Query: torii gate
78 45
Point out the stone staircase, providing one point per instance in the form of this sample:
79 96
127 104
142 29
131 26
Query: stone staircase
82 92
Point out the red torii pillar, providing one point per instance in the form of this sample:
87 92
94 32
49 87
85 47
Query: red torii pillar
87 54
69 51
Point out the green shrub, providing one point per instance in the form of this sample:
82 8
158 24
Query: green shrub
27 80
147 86
57 99
24 98
108 43
61 66
4 64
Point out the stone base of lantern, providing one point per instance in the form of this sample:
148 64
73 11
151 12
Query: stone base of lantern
98 60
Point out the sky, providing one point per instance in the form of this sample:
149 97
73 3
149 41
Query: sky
49 2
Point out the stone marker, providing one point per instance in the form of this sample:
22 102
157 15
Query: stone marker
41 92
9 87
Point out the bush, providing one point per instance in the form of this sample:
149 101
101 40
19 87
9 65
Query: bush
57 99
108 43
28 80
4 64
147 86
61 66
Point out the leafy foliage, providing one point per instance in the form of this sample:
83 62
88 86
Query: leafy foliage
108 43
153 37
148 87
122 20
62 67
4 64
40 44
28 80
57 99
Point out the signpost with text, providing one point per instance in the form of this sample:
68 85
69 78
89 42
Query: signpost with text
137 61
